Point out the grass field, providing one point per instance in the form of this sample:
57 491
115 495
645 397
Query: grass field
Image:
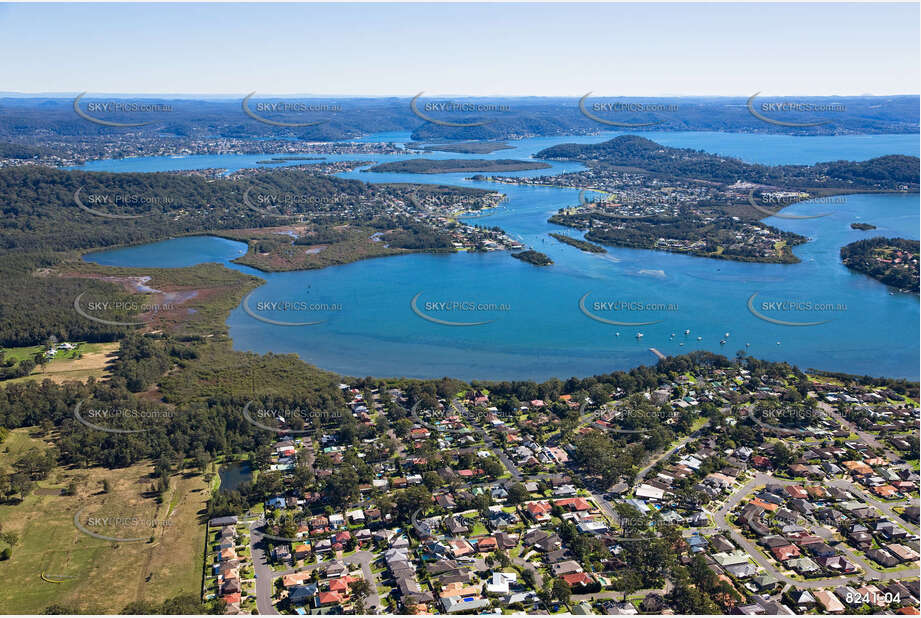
92 361
95 575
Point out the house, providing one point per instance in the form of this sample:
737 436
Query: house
356 517
785 552
820 549
848 596
456 525
336 569
538 511
336 520
802 599
890 530
454 605
804 566
649 492
882 557
566 567
742 571
903 553
613 608
487 544
329 598
762 583
578 581
838 564
301 551
295 579
281 553
500 582
302 594
460 547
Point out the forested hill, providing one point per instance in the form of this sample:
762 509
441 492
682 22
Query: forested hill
40 206
891 172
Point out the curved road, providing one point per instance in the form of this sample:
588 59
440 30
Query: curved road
768 565
265 575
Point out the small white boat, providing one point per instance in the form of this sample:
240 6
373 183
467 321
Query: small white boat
726 335
700 339
748 345
778 343
722 342
617 334
639 335
687 331
682 343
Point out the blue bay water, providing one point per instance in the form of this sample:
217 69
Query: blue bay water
536 328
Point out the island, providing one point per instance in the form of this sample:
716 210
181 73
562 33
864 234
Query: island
288 158
533 257
579 244
465 147
862 226
449 166
893 261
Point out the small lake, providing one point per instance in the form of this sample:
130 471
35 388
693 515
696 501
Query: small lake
234 475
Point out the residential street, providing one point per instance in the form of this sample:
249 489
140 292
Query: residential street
265 575
752 549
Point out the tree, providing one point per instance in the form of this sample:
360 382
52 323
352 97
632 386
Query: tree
517 493
561 591
360 590
529 577
40 359
629 581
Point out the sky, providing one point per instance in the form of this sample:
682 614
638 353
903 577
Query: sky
461 49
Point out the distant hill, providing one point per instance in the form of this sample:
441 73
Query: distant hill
891 172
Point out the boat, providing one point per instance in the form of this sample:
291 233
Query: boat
726 335
639 335
617 334
700 339
722 342
687 331
748 345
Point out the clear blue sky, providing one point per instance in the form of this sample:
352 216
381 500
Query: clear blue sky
474 49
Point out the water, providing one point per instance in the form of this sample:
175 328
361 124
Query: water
543 333
234 475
